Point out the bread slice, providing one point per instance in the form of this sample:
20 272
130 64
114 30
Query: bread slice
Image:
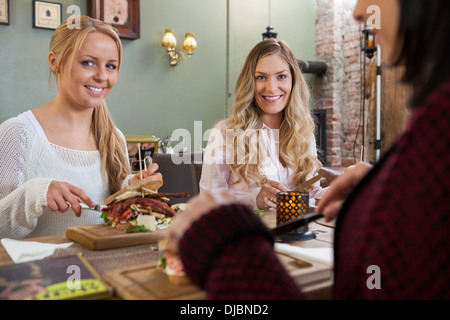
176 275
153 182
167 245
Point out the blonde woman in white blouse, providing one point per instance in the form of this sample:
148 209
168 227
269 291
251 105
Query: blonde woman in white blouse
267 144
67 151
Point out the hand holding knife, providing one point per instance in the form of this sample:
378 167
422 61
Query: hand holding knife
305 185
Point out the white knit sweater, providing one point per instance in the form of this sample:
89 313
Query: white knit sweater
28 163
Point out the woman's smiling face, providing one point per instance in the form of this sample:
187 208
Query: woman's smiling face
93 74
273 85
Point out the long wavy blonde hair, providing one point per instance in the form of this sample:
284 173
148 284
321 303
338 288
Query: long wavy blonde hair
296 128
66 41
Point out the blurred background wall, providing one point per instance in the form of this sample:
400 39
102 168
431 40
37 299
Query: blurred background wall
152 97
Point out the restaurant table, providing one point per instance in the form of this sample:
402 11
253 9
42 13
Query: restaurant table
314 278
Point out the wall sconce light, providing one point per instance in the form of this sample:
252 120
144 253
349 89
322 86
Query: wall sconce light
170 42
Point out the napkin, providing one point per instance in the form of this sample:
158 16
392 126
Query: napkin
322 255
23 251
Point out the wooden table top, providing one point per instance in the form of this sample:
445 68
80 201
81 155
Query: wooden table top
314 278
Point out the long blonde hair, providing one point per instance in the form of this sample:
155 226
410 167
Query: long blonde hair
297 126
65 42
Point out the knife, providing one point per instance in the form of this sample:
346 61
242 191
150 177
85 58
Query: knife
96 207
310 182
296 223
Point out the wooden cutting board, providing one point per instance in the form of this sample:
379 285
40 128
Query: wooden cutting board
99 236
146 282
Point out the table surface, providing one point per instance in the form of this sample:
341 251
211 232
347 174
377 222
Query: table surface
314 278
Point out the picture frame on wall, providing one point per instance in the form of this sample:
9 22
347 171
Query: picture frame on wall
4 11
46 14
124 15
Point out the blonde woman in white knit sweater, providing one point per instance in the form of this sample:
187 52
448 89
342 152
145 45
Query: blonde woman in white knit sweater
67 151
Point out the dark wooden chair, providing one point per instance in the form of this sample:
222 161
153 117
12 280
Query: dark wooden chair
196 170
176 170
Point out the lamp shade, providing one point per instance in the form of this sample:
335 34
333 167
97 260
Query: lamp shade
190 44
269 33
169 40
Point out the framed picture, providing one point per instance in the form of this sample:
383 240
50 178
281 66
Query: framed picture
46 15
122 14
4 11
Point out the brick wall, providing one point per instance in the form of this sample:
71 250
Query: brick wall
338 42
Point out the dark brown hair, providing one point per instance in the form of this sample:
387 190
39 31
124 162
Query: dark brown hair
424 51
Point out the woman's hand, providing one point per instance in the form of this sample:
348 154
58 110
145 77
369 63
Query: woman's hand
267 196
197 207
330 203
62 195
151 170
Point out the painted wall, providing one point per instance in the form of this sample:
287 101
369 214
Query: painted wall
151 97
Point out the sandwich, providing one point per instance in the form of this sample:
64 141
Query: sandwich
139 207
171 263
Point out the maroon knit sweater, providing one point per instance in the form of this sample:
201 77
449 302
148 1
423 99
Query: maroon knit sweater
229 253
392 238
398 218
